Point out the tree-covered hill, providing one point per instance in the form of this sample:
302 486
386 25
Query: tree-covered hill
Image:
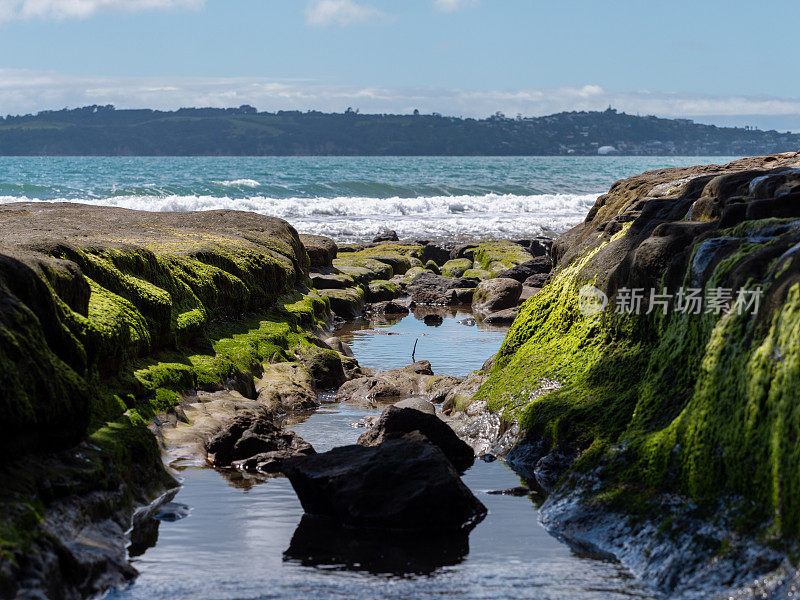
103 130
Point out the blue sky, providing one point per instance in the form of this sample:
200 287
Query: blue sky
725 62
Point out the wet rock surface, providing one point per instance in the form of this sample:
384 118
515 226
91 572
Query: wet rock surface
396 421
401 484
388 386
389 307
419 404
252 441
287 387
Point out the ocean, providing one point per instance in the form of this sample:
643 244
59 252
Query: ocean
347 198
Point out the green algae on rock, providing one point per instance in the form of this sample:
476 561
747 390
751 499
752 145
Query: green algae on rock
107 316
704 405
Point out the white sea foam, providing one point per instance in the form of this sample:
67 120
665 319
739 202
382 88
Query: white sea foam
248 183
359 218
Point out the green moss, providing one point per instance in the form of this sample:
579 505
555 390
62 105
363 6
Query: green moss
477 273
703 404
380 289
413 272
363 270
456 267
407 250
499 256
432 266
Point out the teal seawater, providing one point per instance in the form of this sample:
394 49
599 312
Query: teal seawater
349 198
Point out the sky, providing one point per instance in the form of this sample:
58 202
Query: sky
725 62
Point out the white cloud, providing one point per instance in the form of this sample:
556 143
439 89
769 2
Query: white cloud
325 13
81 9
453 5
24 92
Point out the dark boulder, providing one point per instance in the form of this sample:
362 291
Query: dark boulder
433 320
427 288
537 266
387 235
464 295
329 279
438 253
389 307
501 317
395 422
463 251
539 246
401 484
537 281
253 433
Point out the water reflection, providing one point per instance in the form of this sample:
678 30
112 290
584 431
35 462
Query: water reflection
322 543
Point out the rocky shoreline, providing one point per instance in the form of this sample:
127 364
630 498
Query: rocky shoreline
664 439
153 321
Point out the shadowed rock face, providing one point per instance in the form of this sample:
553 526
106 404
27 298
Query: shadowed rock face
427 288
402 484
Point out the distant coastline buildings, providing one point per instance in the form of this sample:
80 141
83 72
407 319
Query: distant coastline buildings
243 131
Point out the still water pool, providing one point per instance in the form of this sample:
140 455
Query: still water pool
246 539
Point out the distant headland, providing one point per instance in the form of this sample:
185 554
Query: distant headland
106 131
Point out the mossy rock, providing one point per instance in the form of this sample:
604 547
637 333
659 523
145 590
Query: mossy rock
433 267
332 281
704 405
380 290
411 273
347 303
477 273
456 267
499 256
406 249
363 270
287 387
324 365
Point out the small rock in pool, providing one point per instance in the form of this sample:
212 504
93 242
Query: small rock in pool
252 441
515 491
487 458
469 322
433 320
